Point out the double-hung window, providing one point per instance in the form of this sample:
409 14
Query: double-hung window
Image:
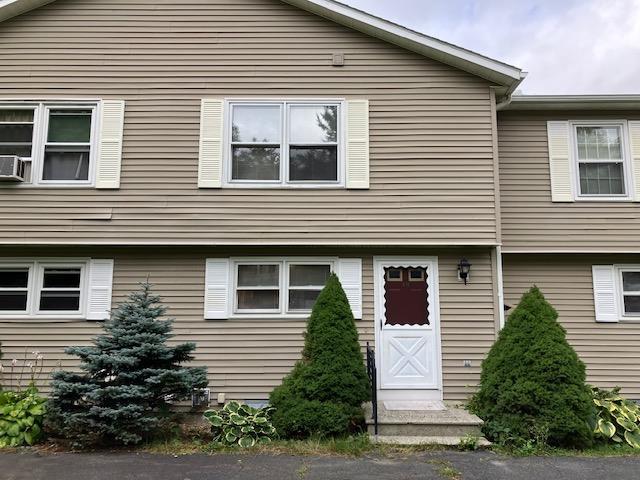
285 144
38 288
55 142
601 157
279 286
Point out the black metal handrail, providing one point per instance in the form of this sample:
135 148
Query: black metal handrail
372 373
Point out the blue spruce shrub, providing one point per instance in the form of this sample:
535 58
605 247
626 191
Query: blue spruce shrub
128 375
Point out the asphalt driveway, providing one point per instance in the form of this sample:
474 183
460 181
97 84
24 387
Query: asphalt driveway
433 465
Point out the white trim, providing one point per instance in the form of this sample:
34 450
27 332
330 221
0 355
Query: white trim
515 251
625 148
285 105
40 128
36 275
493 70
232 243
572 102
431 264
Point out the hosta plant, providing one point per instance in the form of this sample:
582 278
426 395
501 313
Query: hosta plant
21 417
617 419
240 424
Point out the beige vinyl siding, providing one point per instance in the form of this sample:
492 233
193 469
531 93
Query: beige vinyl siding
530 221
610 350
432 171
246 358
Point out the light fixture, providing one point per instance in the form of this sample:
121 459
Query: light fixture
464 268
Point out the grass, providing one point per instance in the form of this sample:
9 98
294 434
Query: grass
355 446
360 445
446 470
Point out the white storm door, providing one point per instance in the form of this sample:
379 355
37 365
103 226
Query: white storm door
408 333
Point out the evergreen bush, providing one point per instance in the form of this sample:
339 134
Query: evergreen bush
130 375
324 393
532 387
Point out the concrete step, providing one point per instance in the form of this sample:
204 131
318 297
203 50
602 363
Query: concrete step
451 422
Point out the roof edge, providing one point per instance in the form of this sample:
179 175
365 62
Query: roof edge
573 102
499 73
13 8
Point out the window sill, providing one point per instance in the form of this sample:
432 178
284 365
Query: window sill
44 319
279 186
267 316
604 199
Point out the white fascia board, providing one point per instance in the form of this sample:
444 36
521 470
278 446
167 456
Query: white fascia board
573 102
12 8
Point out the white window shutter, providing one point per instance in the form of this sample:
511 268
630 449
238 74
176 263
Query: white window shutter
350 275
211 133
560 162
634 134
357 144
216 295
110 144
100 289
604 293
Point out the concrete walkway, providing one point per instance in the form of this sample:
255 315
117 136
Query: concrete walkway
435 465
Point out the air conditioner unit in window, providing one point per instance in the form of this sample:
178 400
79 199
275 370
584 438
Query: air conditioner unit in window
11 168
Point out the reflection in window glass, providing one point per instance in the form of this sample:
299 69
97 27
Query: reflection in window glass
68 148
600 160
313 164
256 124
284 143
313 124
256 163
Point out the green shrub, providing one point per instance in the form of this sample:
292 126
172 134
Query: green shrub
324 393
240 425
532 387
129 376
617 419
21 417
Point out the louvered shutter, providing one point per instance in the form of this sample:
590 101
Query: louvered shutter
357 144
634 133
217 288
560 162
211 133
604 293
100 289
350 275
110 144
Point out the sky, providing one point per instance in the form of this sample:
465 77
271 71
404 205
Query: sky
566 46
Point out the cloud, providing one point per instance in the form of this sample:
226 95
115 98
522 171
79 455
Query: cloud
567 46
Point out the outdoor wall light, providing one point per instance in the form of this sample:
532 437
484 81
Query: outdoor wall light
464 268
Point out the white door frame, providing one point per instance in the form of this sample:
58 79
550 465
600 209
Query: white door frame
431 264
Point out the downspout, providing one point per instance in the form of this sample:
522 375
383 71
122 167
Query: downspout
500 285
